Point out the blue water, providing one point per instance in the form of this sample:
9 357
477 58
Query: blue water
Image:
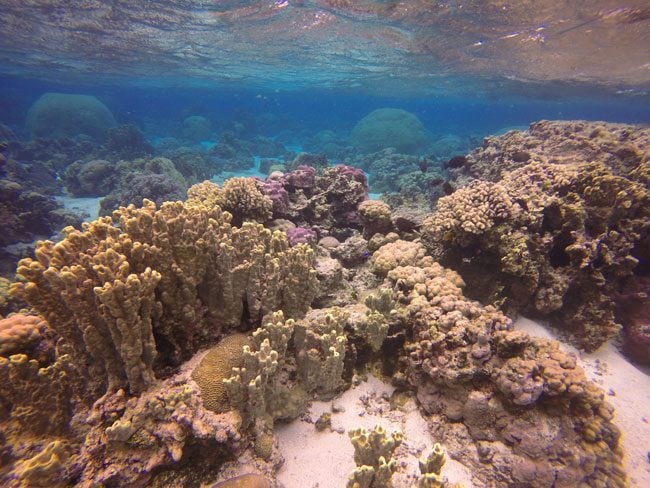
305 112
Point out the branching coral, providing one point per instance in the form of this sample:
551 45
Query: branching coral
373 454
431 467
38 400
176 275
244 200
320 343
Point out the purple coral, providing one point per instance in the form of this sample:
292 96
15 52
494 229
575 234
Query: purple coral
300 235
274 190
302 177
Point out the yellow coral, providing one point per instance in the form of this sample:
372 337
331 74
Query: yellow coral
217 366
42 469
244 200
398 253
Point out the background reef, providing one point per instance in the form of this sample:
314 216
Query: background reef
233 277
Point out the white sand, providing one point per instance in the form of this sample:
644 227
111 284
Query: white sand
629 393
87 206
325 459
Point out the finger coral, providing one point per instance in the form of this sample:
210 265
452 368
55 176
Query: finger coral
148 279
373 454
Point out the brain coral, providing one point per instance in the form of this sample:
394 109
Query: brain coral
59 115
389 127
217 366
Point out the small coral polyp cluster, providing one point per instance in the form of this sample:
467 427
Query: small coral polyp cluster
171 339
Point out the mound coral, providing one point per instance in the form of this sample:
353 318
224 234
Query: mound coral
389 127
58 115
216 367
26 334
197 128
508 389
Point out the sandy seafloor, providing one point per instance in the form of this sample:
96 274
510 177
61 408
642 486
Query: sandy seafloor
324 459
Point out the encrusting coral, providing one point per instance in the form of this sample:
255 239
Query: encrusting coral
160 279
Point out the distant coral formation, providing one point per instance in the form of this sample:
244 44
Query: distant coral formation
57 115
389 127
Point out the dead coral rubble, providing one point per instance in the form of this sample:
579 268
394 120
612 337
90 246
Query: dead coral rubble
529 415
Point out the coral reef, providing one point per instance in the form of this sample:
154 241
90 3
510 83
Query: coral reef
159 279
620 147
633 311
509 389
147 441
375 217
550 240
172 338
326 203
29 335
192 162
126 141
215 367
244 200
97 177
389 127
157 187
320 343
300 235
155 179
25 216
56 115
196 128
430 468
